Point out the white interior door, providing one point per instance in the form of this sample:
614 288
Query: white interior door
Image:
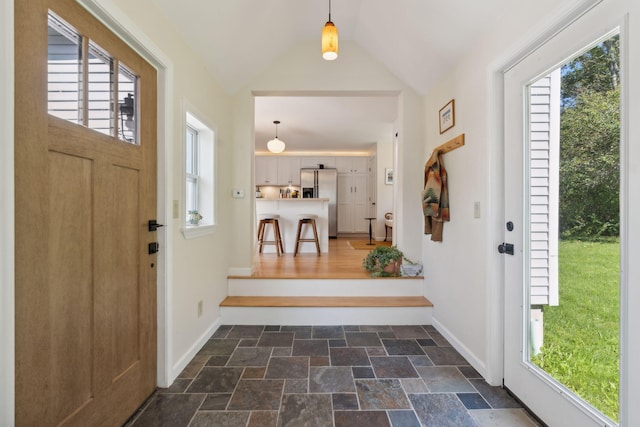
548 398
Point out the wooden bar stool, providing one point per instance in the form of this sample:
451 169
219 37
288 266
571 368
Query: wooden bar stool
272 219
308 219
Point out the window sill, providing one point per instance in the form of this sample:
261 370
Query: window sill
196 231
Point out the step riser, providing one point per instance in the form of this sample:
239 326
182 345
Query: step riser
326 287
291 316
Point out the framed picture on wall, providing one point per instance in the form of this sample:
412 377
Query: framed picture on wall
447 117
388 176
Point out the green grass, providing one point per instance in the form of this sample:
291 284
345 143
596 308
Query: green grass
581 335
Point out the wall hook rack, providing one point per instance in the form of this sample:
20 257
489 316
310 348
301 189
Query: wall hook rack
450 145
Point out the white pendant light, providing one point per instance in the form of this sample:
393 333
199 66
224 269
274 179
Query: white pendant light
329 39
275 145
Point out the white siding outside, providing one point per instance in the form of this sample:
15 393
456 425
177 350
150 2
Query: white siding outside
66 88
544 169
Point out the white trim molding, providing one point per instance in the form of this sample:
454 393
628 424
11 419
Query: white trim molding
120 24
182 363
7 209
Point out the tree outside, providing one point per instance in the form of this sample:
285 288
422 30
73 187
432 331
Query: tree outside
590 144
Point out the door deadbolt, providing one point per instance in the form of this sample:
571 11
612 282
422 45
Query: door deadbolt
154 247
506 248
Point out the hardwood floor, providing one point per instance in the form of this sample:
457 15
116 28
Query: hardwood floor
341 262
278 291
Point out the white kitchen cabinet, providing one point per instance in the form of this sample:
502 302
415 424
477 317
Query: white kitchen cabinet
266 170
358 164
289 170
314 162
353 202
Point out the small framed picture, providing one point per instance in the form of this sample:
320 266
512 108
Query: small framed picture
388 176
447 117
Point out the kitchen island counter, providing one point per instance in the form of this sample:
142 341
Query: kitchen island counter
289 210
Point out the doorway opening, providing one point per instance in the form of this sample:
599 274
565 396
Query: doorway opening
349 133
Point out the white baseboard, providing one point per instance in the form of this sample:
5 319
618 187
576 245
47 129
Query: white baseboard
473 360
326 315
179 366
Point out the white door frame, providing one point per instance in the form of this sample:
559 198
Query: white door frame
7 229
122 26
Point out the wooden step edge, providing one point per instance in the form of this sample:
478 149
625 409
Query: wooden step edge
264 301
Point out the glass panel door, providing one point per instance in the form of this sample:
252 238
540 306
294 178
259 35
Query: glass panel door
562 190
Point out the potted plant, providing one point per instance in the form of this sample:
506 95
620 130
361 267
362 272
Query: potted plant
194 217
383 261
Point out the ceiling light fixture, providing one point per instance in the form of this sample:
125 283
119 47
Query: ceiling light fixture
329 39
275 145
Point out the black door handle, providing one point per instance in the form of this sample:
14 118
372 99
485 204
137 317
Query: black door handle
506 248
153 225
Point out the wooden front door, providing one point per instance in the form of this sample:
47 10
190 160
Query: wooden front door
85 161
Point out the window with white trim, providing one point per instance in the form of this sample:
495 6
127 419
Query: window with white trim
191 157
199 178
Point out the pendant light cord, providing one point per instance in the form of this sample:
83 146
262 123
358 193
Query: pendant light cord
329 10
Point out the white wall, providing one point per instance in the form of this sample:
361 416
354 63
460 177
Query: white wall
464 271
303 71
408 176
384 196
457 268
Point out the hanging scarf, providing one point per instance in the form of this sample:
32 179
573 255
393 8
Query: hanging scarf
435 197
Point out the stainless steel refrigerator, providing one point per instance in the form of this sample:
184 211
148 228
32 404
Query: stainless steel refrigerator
322 183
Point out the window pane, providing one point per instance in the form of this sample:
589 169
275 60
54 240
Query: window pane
64 70
127 105
574 239
192 195
100 94
192 151
191 168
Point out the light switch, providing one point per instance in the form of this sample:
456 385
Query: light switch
176 209
476 209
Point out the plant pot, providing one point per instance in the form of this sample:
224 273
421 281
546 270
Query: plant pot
393 268
383 261
194 218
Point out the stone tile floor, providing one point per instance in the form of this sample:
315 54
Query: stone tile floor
333 376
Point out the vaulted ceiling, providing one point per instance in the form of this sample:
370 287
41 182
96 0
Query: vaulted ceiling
417 40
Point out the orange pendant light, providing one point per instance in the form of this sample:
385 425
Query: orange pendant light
329 39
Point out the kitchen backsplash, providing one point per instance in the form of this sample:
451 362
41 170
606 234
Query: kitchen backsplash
273 192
